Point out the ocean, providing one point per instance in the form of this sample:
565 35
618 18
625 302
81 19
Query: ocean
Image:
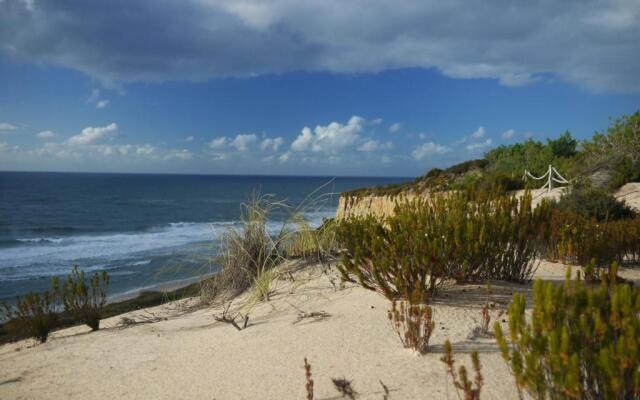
146 230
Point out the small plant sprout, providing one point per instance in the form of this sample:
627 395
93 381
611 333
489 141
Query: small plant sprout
471 390
309 384
413 323
486 316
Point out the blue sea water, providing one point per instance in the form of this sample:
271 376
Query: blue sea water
145 230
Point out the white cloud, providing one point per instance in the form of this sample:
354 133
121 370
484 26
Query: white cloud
102 104
271 144
478 133
90 135
145 150
189 139
243 141
46 135
395 127
429 149
284 157
182 154
6 127
374 145
331 138
95 96
376 121
508 134
475 147
219 142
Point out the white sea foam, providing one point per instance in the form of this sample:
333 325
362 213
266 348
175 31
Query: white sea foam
52 256
40 240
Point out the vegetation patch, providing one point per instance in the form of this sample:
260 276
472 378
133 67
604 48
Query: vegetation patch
580 343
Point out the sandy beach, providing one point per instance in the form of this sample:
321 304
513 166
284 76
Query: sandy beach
186 354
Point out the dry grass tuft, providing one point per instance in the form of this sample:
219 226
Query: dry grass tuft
413 323
461 382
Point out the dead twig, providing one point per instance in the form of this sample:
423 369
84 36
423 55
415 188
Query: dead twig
146 318
228 319
316 315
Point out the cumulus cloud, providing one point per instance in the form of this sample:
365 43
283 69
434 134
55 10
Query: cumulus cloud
219 143
478 133
271 144
475 147
243 141
591 43
46 135
395 127
429 149
508 134
91 135
7 127
374 145
182 154
284 157
331 138
94 98
102 104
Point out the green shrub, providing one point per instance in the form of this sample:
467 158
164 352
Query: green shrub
429 241
594 203
34 315
85 301
574 239
579 344
617 151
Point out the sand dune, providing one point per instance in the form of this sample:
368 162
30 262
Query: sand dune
191 356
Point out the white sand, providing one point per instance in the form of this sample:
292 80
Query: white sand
191 356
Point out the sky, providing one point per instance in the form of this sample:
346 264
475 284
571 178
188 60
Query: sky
320 87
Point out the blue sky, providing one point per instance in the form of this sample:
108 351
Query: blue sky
320 88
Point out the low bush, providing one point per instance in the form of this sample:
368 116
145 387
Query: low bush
413 323
85 301
34 315
580 343
427 242
594 203
574 239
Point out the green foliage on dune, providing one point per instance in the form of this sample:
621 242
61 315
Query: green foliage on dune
614 154
428 242
579 343
34 315
86 300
